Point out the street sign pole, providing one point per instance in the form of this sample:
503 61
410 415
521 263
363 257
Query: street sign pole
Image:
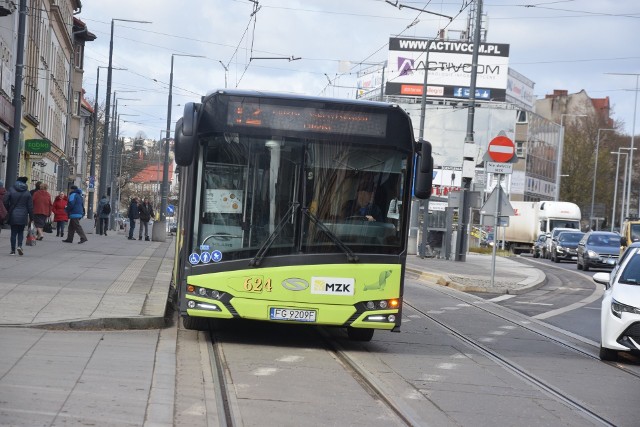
495 233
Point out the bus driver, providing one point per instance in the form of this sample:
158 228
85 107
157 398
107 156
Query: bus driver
363 206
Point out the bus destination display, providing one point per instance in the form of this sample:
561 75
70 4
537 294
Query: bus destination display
306 119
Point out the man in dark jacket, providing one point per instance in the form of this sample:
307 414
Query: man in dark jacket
103 217
146 213
75 209
134 214
19 204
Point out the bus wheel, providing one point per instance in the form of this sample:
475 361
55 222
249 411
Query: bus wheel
194 323
360 334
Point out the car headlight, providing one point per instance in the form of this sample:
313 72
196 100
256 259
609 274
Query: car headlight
592 254
618 308
559 249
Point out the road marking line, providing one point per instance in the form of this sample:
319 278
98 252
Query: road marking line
532 303
596 295
501 298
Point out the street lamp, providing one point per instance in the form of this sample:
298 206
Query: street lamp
633 132
595 173
159 232
105 141
615 192
115 158
157 201
560 151
226 70
92 167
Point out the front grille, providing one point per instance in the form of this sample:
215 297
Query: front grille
633 331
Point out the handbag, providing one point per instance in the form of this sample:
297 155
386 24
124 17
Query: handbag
48 228
31 237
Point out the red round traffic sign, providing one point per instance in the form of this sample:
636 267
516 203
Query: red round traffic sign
501 149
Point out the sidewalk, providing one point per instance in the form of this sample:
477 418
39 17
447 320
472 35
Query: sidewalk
474 274
108 282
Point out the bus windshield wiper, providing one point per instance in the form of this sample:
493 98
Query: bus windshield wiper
351 257
255 262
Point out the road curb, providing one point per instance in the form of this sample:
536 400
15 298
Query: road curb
530 283
110 323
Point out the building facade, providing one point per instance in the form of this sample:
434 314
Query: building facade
52 113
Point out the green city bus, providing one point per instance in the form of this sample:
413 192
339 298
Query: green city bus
295 209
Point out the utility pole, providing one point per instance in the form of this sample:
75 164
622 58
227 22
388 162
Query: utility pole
468 162
13 151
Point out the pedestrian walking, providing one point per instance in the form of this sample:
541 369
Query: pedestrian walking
41 209
75 210
146 213
3 209
104 210
35 188
60 216
19 204
134 214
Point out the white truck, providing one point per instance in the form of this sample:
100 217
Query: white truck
534 218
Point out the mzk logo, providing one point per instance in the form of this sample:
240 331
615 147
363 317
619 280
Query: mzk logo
332 285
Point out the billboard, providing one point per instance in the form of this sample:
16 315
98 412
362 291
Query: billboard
446 128
449 68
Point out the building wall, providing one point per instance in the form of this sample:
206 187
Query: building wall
47 90
8 31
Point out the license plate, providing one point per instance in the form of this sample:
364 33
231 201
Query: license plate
574 257
291 314
611 261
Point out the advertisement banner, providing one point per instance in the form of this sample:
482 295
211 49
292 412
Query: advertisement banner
450 67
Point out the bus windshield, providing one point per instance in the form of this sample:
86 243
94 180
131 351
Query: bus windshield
288 196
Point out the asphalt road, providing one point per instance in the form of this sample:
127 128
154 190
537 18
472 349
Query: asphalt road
570 299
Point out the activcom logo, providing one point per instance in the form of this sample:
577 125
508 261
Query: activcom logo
405 66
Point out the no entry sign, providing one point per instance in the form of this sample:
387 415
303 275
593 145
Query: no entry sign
501 149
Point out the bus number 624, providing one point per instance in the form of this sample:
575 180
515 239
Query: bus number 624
256 284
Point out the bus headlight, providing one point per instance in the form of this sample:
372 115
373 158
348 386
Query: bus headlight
191 304
384 304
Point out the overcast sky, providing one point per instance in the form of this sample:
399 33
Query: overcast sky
557 44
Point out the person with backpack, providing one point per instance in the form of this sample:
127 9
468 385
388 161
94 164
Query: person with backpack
75 209
104 211
146 213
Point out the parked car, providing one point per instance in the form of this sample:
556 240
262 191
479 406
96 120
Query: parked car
538 245
554 233
598 249
620 311
564 246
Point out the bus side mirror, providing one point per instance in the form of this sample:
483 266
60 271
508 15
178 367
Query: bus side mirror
184 135
424 171
623 241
